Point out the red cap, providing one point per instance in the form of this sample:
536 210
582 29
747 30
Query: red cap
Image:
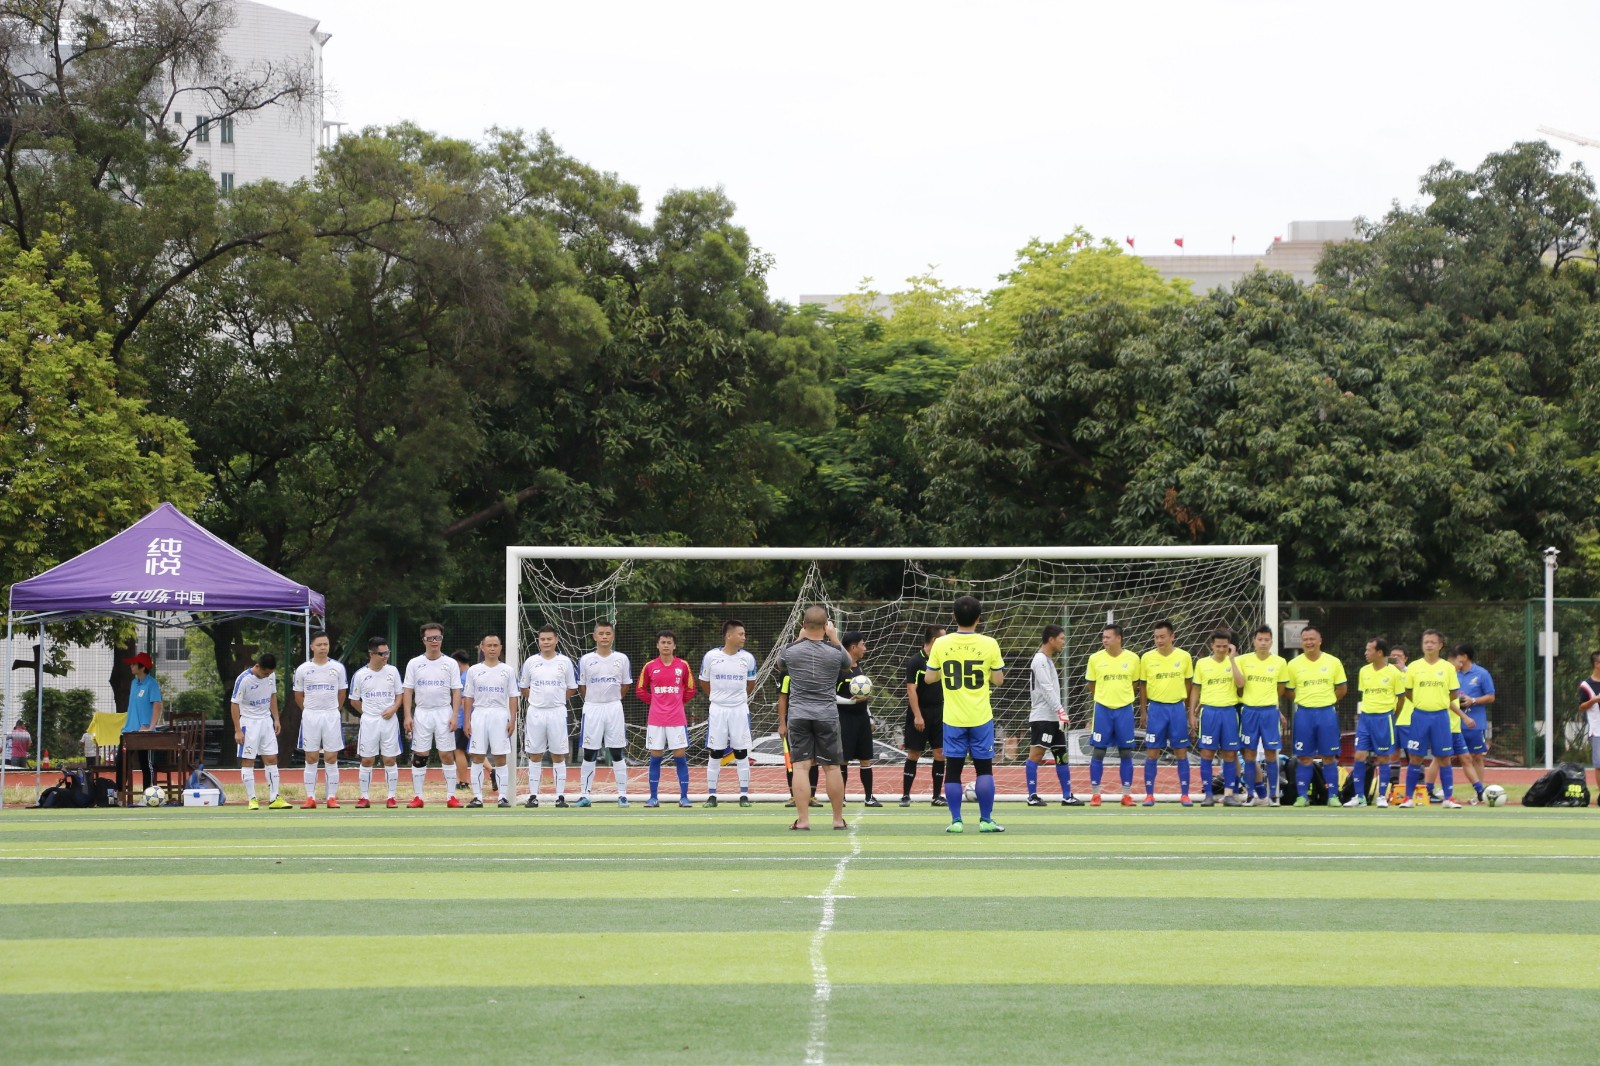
142 659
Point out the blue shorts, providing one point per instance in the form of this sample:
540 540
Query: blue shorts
1430 734
1260 725
1219 729
1402 737
969 741
1316 732
1166 726
1112 727
1375 733
1472 742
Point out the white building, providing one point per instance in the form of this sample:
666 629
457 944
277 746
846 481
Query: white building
1296 255
280 141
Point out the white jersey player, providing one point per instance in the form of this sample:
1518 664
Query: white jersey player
490 700
256 726
432 695
319 688
728 675
548 681
375 692
602 673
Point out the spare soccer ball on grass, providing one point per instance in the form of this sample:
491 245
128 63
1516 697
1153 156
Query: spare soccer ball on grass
860 685
1494 796
155 796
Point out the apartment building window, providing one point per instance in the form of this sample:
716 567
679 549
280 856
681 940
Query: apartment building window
202 129
225 179
227 129
175 650
177 119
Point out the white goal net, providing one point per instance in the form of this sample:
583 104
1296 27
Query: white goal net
1022 591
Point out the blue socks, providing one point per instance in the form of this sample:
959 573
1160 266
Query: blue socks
1302 780
1413 779
1149 776
984 787
655 775
1477 786
1383 778
1125 764
682 764
1272 775
1097 770
1358 774
1252 777
1447 781
1183 775
1064 775
1205 775
1230 775
952 796
1032 770
1330 776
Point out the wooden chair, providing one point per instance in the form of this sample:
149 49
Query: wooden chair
174 774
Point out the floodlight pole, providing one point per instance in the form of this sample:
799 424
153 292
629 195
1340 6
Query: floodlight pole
1550 656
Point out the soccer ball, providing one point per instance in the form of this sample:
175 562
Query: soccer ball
860 685
1494 796
971 793
155 796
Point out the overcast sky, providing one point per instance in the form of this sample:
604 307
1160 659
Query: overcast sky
875 138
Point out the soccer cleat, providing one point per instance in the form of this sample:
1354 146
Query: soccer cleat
280 804
1356 801
744 801
1094 800
533 801
1302 801
416 803
871 801
1035 801
453 801
583 801
685 802
333 803
254 806
1262 801
1185 801
1071 801
1127 800
652 803
391 803
1383 801
474 803
817 803
363 803
463 786
309 805
939 801
905 801
955 827
1409 803
622 801
1474 801
990 827
789 804
711 801
1231 800
1149 801
503 802
1332 801
1451 804
561 801
1208 800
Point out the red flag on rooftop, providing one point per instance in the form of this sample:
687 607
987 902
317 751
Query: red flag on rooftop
1129 240
1178 241
1275 240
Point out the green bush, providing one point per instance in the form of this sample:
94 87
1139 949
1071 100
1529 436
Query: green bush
207 701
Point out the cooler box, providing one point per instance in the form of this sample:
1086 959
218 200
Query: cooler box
202 797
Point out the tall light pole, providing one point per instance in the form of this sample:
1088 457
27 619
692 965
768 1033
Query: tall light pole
1549 643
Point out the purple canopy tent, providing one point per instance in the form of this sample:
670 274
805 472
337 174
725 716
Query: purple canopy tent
168 564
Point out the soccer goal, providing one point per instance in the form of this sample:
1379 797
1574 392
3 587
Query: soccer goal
1022 589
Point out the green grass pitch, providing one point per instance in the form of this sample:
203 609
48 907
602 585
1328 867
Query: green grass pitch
673 936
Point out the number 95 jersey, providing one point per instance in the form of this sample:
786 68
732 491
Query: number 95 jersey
964 661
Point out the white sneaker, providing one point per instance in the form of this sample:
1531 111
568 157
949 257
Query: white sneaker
1356 801
1409 803
1451 804
1383 801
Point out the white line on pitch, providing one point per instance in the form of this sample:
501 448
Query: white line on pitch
822 988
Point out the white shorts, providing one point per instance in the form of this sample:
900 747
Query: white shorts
728 727
433 728
489 736
545 731
320 731
259 739
378 736
666 737
603 727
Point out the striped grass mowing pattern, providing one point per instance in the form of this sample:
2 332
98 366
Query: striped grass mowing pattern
683 936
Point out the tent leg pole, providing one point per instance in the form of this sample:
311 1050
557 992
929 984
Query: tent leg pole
10 656
38 674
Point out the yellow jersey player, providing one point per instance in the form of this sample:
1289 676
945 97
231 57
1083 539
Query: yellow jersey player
969 667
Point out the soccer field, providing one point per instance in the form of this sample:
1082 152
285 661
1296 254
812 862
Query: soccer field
699 936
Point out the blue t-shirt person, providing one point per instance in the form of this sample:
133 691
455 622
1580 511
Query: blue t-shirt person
144 697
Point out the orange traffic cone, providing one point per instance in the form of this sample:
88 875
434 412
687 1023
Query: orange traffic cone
45 765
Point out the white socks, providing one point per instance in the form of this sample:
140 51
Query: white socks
248 777
311 780
743 766
419 776
477 781
559 772
272 783
586 777
450 777
391 777
332 770
619 770
364 779
713 771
